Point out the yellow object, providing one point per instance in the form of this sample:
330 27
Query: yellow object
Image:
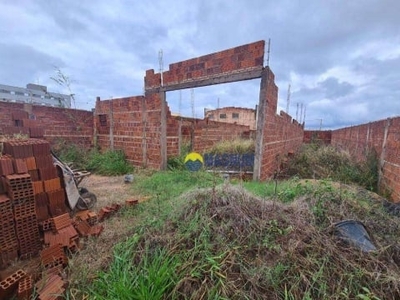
193 156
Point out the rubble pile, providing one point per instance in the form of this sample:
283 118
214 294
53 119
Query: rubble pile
35 220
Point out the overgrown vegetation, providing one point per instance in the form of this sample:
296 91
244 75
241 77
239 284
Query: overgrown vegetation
177 162
320 161
234 146
202 238
109 163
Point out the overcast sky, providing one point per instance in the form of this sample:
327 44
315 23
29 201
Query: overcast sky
341 58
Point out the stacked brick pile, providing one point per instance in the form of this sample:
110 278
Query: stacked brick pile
31 196
30 193
35 220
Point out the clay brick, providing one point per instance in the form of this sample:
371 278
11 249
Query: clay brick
6 165
61 222
37 187
21 195
131 202
34 174
18 181
41 148
20 166
48 173
64 236
53 256
9 285
82 215
25 288
23 210
19 115
6 212
3 189
52 184
46 224
51 287
36 132
30 163
44 161
8 237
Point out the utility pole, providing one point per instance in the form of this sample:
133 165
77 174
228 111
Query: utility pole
297 112
301 112
160 61
268 51
192 102
288 100
180 103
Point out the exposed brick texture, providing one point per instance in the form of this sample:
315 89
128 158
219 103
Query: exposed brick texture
209 66
281 134
51 123
131 124
381 136
319 136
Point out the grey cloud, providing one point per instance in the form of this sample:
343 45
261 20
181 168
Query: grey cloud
22 63
335 89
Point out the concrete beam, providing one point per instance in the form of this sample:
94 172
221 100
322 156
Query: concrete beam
247 74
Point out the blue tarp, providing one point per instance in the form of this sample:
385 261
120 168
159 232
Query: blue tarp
232 162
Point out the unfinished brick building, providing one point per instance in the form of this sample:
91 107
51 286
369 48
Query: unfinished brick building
143 127
233 115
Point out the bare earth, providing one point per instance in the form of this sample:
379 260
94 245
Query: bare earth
96 252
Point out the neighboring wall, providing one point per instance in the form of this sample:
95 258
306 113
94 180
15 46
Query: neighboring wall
381 136
319 136
59 126
277 135
133 124
233 115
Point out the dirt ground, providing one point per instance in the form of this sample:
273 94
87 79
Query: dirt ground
97 251
108 190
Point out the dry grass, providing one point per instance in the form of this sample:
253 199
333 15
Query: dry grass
234 146
237 246
96 252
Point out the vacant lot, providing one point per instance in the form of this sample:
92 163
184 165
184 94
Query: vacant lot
198 237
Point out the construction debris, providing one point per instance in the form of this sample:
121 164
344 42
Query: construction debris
36 222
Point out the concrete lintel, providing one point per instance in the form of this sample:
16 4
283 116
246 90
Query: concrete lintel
248 74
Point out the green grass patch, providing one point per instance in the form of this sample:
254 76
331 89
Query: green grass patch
109 163
152 277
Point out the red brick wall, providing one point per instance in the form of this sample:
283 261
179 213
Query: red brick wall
281 134
358 140
135 123
320 136
224 62
55 124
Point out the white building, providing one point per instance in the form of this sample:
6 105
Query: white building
35 94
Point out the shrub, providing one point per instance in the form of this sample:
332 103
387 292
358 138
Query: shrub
109 163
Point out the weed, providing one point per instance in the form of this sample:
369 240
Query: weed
109 163
319 162
234 146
